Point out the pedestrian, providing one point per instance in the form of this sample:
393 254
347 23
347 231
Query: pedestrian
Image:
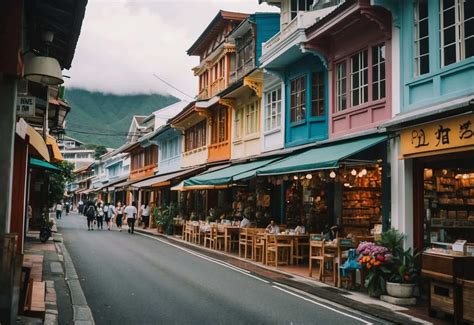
110 213
90 213
68 205
59 210
131 213
100 216
119 215
145 214
81 207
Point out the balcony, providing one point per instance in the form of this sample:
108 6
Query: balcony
242 71
217 86
291 34
203 94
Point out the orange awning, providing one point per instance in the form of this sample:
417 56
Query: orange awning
52 143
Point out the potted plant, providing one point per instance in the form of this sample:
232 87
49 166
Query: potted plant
159 217
170 214
403 265
374 259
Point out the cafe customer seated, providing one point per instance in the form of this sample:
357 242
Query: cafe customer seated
272 228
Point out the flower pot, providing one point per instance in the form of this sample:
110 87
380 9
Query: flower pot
400 290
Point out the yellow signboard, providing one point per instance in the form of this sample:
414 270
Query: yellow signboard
445 134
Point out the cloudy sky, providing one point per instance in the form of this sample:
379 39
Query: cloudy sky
123 43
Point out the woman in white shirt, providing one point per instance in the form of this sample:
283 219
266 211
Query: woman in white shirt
100 216
145 215
119 215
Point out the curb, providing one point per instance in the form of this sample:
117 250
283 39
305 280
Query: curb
82 315
332 294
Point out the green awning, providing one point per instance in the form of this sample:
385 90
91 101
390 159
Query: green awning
227 175
325 157
36 163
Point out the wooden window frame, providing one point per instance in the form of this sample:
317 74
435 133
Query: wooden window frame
298 106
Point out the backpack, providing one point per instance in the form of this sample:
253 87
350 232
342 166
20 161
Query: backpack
90 211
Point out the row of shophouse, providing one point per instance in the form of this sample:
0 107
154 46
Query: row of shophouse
357 113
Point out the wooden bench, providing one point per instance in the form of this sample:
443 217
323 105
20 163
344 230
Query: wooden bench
35 305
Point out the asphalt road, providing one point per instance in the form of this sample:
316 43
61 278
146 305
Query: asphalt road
134 279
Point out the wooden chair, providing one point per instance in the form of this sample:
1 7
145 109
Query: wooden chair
259 246
279 250
210 238
187 230
317 252
343 246
301 246
245 241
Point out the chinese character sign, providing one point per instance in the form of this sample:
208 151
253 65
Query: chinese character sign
440 135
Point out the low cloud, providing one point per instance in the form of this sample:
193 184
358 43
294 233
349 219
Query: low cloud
123 43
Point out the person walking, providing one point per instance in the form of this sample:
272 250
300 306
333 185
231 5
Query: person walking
100 216
119 215
81 207
145 215
59 210
109 214
90 212
68 206
131 213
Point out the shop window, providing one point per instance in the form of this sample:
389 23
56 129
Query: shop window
298 99
448 202
359 78
341 86
421 37
456 30
317 94
273 110
378 72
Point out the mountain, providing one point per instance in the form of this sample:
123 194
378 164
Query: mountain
104 119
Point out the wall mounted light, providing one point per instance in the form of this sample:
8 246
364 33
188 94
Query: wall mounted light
43 70
332 174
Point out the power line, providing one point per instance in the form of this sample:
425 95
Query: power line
106 134
170 85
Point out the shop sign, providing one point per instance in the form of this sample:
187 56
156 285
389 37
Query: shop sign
440 135
25 106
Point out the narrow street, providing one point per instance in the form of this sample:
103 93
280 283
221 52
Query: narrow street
139 280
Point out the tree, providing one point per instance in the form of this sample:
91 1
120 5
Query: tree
58 180
99 151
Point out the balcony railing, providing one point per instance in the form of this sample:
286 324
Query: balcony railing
217 86
303 20
242 71
203 94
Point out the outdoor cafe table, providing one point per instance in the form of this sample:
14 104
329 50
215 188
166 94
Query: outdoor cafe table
228 231
294 239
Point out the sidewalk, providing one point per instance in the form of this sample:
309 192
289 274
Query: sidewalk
298 279
64 300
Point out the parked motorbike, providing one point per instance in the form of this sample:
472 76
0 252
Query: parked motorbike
45 231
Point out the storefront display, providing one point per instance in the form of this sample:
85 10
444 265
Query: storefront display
448 203
361 204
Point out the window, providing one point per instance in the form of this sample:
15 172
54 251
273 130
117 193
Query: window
359 78
195 136
378 72
251 118
150 156
298 99
222 124
317 94
358 82
169 148
341 86
299 5
238 123
421 38
457 30
245 54
273 110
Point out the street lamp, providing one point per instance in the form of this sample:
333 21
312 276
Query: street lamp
44 70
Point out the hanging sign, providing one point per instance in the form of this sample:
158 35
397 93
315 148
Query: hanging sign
25 106
445 134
